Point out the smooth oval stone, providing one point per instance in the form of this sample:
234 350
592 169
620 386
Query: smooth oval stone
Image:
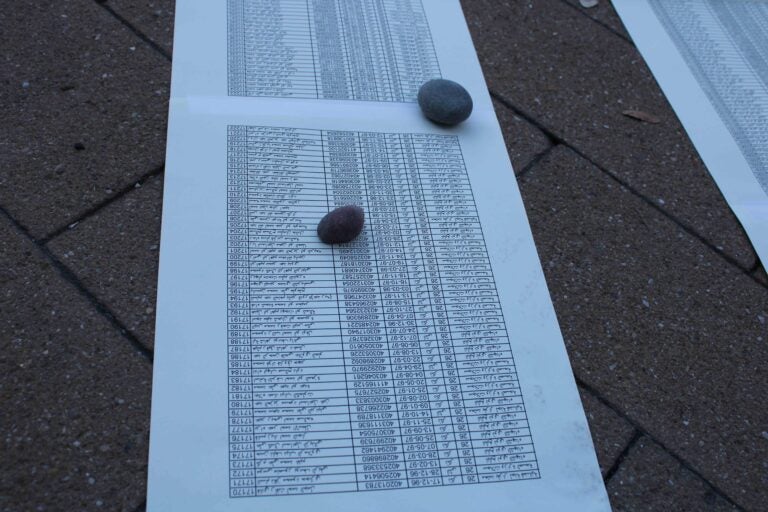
444 101
341 225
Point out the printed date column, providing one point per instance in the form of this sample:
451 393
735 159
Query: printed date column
409 323
393 284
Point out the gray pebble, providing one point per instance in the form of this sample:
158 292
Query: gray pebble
444 101
341 225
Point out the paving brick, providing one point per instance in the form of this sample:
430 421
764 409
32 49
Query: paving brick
650 480
653 320
524 141
576 79
610 432
115 252
74 75
604 13
154 18
74 395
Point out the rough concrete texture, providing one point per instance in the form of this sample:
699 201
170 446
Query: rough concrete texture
524 141
74 395
576 78
610 432
74 77
603 13
659 324
154 18
760 275
115 253
650 480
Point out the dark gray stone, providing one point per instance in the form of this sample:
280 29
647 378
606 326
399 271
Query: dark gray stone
445 102
341 225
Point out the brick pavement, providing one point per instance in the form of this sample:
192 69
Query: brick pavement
660 297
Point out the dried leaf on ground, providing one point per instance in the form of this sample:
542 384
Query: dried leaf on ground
642 116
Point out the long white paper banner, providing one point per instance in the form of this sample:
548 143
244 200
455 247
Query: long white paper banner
419 367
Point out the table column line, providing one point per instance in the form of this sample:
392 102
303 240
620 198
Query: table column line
384 314
245 56
312 42
250 340
348 65
388 35
382 34
368 47
431 39
338 311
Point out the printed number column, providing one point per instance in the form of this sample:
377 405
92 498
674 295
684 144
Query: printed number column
301 421
241 446
393 288
358 35
331 62
375 25
236 47
394 89
371 394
